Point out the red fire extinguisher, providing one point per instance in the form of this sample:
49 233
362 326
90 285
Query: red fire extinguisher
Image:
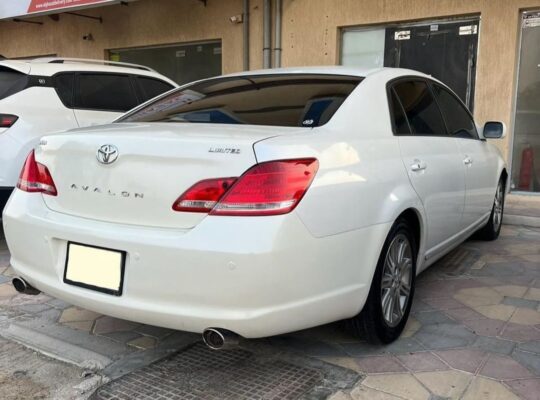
526 171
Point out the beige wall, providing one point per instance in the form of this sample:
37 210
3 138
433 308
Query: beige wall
311 33
142 23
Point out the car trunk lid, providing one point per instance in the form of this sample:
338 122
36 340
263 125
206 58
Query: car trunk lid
155 164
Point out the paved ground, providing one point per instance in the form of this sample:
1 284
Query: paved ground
474 333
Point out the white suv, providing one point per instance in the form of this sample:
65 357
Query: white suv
46 95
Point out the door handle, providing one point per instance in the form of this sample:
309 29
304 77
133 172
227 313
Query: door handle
418 165
467 160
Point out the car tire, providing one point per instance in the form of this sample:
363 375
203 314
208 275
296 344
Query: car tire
377 323
492 229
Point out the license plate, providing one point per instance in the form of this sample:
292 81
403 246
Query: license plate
95 268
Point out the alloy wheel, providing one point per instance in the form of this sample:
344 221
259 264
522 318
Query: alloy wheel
396 280
498 207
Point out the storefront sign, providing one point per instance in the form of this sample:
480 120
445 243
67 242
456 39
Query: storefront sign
25 8
531 20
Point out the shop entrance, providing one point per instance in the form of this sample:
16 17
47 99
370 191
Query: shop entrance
526 145
446 50
183 63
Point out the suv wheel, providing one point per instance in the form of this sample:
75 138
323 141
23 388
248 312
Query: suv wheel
389 301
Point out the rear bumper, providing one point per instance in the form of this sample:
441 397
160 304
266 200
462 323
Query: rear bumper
256 276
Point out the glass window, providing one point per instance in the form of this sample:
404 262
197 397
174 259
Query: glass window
183 63
420 107
526 147
401 126
11 82
305 100
105 92
458 120
363 48
152 87
64 84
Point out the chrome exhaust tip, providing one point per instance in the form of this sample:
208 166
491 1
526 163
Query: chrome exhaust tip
24 287
219 339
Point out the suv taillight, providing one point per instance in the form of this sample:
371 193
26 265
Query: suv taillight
7 120
269 188
36 178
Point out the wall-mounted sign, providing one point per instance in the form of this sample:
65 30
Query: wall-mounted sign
26 8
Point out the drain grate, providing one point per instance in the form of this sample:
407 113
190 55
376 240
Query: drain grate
200 373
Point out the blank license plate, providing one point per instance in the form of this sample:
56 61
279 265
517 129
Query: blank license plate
95 268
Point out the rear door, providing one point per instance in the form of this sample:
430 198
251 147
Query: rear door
431 157
479 163
100 98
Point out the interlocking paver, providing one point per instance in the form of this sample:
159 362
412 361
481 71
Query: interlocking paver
110 324
523 303
422 361
402 385
525 316
446 384
500 312
444 336
529 360
362 392
468 360
485 327
520 333
377 364
527 389
487 389
504 368
494 345
143 343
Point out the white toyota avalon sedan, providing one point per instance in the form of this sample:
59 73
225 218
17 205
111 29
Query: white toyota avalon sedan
259 203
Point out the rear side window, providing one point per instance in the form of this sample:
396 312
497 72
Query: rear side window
296 100
105 92
458 120
151 88
420 107
65 85
11 82
401 126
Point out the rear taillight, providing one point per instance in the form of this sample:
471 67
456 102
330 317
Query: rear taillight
270 188
36 178
203 196
7 120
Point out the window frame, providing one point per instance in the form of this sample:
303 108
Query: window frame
390 86
434 84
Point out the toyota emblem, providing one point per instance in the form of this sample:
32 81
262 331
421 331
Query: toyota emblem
107 154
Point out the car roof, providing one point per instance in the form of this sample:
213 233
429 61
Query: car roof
52 65
390 73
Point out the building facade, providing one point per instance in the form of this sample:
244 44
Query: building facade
488 51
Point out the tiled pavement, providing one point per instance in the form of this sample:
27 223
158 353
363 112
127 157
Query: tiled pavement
474 332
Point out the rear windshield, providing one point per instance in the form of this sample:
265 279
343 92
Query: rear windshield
11 82
297 100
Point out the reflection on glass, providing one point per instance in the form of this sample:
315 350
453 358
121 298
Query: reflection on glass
526 151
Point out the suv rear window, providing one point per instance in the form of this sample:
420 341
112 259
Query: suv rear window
297 100
11 82
151 88
105 92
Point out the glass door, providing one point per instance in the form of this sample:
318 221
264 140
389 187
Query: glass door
446 50
526 146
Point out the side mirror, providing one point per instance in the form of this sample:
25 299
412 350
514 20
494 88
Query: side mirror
494 130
